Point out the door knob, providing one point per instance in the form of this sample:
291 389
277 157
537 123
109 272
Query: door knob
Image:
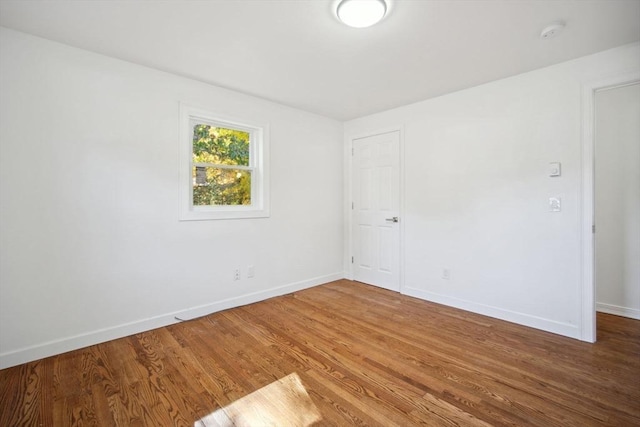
393 219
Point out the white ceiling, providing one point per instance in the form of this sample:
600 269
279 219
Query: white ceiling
295 52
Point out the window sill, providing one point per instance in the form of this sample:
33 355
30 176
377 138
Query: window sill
223 212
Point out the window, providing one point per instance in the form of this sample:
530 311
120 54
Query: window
223 170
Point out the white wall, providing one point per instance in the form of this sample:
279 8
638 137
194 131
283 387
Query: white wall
477 188
91 247
617 200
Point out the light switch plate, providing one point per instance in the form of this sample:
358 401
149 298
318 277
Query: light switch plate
555 169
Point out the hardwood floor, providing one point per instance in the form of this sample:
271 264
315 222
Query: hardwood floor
339 354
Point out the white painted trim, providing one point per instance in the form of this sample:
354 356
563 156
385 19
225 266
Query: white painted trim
587 287
401 264
631 313
565 329
348 200
51 348
348 214
587 291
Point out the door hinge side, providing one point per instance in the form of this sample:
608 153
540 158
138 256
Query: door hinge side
593 228
351 260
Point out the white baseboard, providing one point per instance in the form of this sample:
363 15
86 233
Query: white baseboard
631 313
51 348
565 329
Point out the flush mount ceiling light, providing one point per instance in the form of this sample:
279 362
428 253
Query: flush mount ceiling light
361 13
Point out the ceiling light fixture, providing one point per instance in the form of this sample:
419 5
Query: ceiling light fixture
361 13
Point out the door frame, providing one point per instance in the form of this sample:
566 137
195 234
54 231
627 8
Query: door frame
588 286
348 199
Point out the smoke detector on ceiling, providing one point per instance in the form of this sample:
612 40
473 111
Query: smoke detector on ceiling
552 30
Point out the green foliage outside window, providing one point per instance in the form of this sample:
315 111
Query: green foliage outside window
215 181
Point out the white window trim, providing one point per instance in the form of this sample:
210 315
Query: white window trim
259 165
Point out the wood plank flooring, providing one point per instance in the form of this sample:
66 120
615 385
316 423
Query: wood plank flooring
339 354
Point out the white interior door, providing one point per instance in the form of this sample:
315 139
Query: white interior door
376 210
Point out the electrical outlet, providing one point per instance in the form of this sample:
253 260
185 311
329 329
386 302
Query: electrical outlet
236 274
446 274
250 271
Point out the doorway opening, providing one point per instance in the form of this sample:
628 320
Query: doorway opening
589 224
617 200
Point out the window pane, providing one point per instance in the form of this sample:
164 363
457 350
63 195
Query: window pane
219 145
216 186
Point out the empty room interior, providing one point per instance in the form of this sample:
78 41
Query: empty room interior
320 212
